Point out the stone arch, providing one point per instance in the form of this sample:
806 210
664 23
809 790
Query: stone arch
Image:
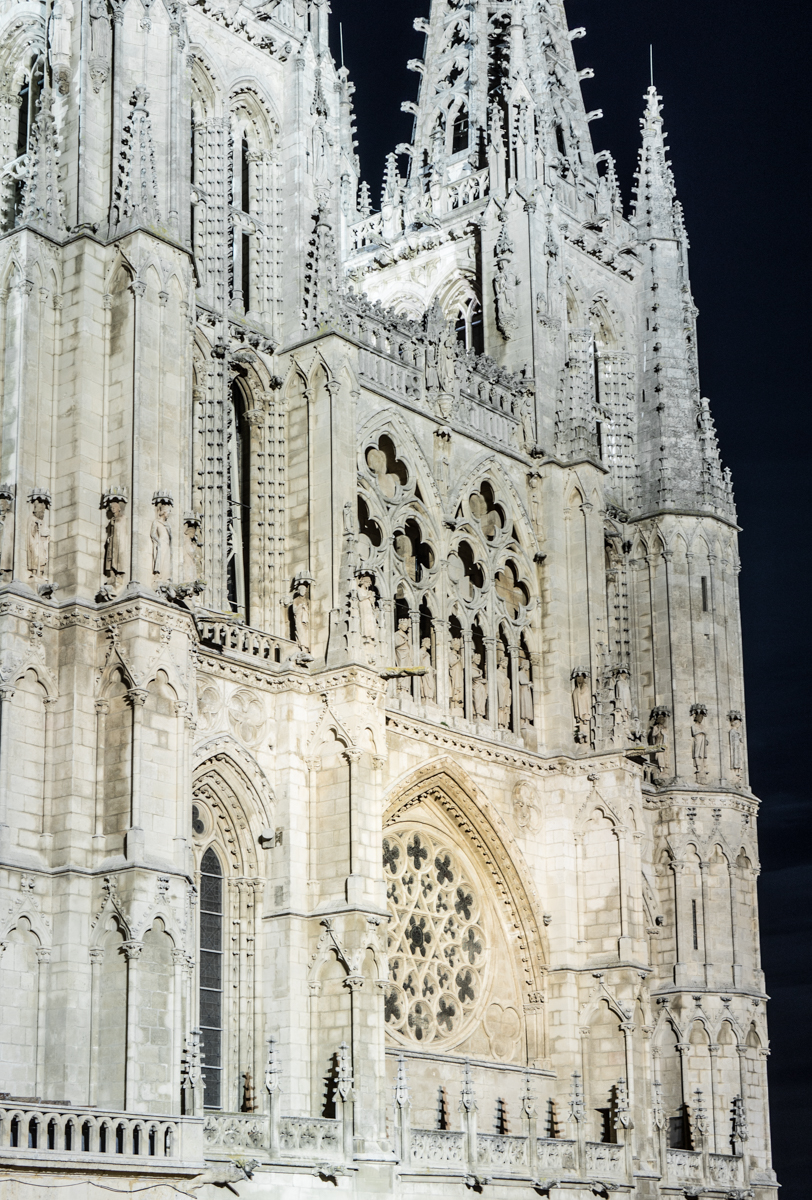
21 987
445 784
238 802
489 469
390 423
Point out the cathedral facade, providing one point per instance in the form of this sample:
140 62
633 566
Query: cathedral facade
374 806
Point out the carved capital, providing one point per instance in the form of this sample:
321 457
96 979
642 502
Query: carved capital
137 697
132 950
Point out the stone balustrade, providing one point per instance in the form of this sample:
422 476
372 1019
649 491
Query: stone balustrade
503 1151
232 637
604 1160
59 1129
310 1137
684 1166
438 1148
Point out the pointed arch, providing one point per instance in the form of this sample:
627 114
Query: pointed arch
239 800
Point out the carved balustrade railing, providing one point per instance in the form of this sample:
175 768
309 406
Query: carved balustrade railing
45 1128
502 1150
310 1137
235 1131
438 1148
404 219
684 1166
554 1154
232 637
604 1159
725 1169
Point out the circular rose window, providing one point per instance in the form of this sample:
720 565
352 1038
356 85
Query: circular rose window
437 949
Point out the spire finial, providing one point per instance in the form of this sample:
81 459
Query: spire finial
651 62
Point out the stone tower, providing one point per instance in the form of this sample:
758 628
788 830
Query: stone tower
374 807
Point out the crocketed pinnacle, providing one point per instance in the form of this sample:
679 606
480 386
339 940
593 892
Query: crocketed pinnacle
654 213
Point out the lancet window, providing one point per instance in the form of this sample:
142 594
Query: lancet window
211 975
238 556
18 127
453 599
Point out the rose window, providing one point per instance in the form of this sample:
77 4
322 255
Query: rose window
437 949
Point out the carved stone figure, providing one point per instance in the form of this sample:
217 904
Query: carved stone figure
504 692
700 741
193 546
39 536
581 704
623 713
736 740
505 283
428 682
367 616
655 771
403 651
100 39
456 673
6 533
300 609
161 536
479 688
115 547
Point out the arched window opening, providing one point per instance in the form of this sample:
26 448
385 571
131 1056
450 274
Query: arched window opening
245 271
211 977
461 132
468 326
245 178
559 140
238 514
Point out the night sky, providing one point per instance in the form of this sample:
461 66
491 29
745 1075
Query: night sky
737 118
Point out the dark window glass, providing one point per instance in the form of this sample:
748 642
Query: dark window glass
211 976
460 132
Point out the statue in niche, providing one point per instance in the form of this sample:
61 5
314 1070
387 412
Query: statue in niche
115 546
505 283
39 536
623 714
428 682
193 546
6 534
367 617
405 552
161 537
526 712
59 43
479 688
403 652
736 741
456 673
655 771
504 692
100 40
300 609
581 705
699 735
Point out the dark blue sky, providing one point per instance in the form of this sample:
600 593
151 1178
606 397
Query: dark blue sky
734 77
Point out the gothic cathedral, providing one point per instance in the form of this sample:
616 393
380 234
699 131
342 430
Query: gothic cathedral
374 806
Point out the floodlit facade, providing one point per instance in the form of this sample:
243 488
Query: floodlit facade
374 807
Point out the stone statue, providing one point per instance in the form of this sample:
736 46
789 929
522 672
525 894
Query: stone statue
161 537
581 704
456 673
100 40
6 534
367 616
736 740
115 547
193 546
526 712
504 692
403 651
623 705
700 741
39 536
479 688
300 609
60 31
428 682
657 741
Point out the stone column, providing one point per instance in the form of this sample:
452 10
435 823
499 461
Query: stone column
134 841
490 666
466 658
6 697
624 948
132 950
441 637
704 867
402 1115
96 963
102 710
43 977
178 1025
47 835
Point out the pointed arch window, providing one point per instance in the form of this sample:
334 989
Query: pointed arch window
239 502
461 131
211 976
468 326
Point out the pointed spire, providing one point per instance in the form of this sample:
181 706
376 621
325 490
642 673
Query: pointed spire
43 201
322 276
401 1085
656 195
